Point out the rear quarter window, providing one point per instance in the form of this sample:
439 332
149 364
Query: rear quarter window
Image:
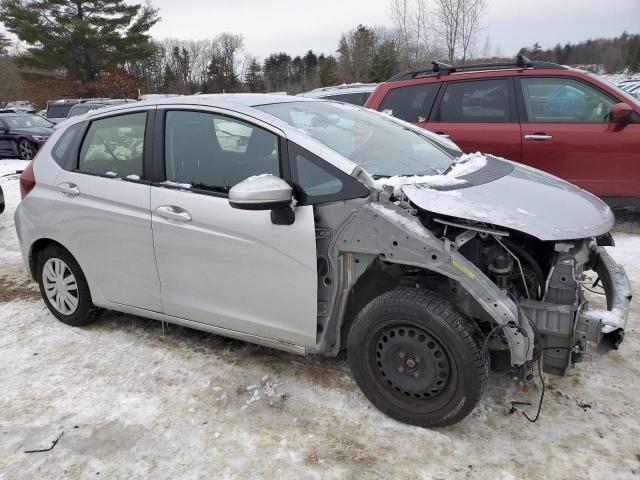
411 104
66 144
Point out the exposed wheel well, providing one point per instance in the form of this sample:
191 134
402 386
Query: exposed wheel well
370 285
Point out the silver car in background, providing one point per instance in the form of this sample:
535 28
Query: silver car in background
353 93
315 226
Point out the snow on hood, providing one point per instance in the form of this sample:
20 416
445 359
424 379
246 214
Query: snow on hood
526 199
462 166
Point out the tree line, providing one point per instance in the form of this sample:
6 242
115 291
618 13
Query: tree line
608 55
103 48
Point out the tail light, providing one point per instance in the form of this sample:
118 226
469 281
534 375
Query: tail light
27 180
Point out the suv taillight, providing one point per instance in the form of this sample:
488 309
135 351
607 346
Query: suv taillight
27 180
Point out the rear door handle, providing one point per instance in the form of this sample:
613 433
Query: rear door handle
538 136
69 188
442 134
172 212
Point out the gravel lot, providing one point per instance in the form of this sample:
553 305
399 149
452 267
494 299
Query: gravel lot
135 401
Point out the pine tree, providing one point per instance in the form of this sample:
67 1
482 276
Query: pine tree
86 38
253 77
384 63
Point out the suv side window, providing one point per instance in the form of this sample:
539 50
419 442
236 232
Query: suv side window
411 104
114 146
213 152
564 100
481 101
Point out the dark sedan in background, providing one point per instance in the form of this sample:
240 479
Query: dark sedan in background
22 134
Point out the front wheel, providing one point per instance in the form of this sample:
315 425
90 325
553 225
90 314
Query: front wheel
417 358
64 287
26 150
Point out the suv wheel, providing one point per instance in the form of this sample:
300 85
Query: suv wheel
64 287
26 150
417 358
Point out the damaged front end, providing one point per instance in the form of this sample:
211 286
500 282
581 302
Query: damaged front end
567 328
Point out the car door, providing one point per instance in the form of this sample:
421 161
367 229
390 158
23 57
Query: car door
479 115
567 132
102 206
6 142
221 266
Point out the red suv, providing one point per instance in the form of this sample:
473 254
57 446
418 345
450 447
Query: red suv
562 120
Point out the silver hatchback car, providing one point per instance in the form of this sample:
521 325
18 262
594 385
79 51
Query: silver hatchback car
315 226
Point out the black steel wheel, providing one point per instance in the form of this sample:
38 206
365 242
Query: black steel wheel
417 358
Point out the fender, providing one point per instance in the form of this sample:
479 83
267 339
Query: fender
396 235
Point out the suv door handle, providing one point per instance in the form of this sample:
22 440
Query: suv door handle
173 213
69 188
442 134
538 136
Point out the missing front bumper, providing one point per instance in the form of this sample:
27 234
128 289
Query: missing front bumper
618 292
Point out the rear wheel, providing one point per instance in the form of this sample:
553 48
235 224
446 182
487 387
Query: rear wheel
64 288
418 359
26 150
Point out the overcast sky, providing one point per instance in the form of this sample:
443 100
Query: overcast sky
294 26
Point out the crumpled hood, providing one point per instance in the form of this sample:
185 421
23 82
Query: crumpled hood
518 197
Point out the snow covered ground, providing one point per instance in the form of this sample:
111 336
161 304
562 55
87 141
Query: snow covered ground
136 403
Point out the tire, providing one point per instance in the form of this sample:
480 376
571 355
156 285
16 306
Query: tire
417 358
64 287
26 150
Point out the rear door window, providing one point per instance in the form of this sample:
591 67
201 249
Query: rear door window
483 101
114 146
411 104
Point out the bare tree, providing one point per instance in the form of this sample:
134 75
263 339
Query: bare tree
459 24
411 22
470 26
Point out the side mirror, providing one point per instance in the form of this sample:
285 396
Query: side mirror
265 192
621 113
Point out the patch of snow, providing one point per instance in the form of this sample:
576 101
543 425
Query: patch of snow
133 177
410 223
111 174
258 183
611 319
169 183
12 167
462 166
523 211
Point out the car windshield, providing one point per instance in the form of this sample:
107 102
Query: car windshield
380 145
26 121
630 98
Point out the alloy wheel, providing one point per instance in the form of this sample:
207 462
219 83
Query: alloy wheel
26 150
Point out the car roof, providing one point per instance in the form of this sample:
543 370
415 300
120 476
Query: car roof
242 104
340 89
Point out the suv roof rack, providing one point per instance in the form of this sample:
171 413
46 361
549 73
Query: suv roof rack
439 68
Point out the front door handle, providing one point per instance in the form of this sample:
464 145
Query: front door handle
173 213
69 188
538 136
442 134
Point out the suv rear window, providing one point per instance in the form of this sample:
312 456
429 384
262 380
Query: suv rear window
475 102
411 104
352 98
